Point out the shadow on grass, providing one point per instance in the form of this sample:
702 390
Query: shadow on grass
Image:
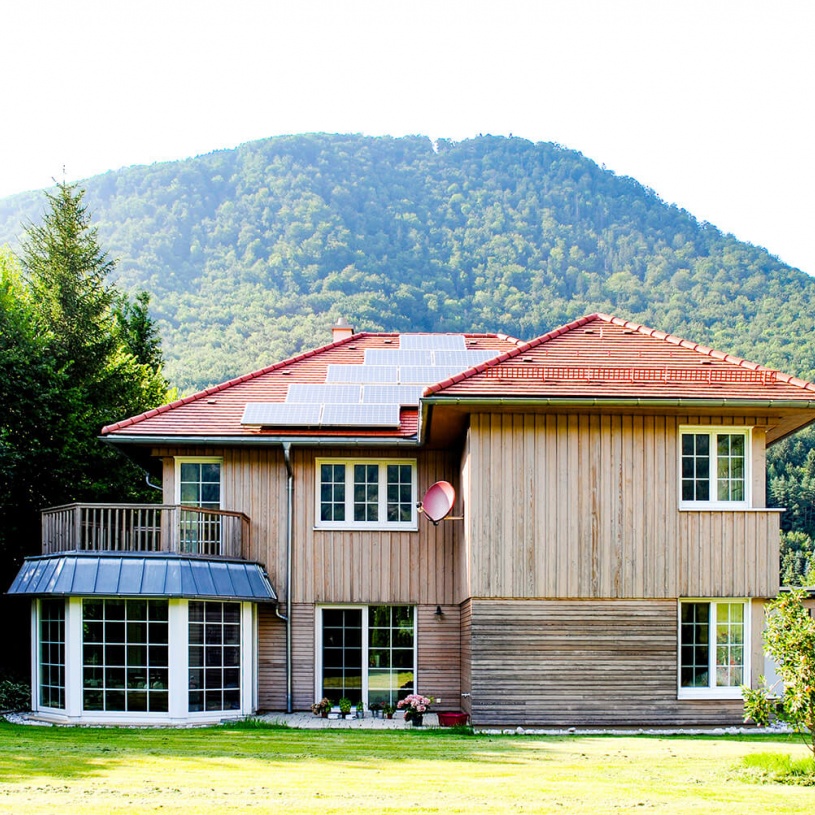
54 753
63 753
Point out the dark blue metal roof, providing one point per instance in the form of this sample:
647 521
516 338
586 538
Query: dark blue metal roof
154 574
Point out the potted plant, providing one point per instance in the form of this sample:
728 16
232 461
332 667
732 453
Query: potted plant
388 710
322 707
345 706
415 706
376 709
360 710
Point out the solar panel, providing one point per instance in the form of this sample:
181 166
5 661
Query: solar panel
392 394
426 374
383 374
398 356
323 394
464 359
281 414
361 416
433 341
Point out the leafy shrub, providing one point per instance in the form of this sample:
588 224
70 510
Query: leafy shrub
14 696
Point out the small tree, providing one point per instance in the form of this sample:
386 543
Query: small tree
790 641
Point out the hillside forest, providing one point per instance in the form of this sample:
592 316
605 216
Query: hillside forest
249 255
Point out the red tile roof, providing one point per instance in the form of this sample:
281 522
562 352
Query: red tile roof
596 356
605 357
217 411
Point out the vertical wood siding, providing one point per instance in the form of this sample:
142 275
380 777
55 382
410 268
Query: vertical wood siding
271 660
567 663
587 506
438 658
336 566
375 566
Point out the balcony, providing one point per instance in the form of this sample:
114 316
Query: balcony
144 528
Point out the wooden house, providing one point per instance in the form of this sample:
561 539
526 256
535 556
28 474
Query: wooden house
606 561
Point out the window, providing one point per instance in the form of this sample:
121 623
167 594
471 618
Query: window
52 653
215 656
199 485
368 653
714 467
359 493
713 648
125 655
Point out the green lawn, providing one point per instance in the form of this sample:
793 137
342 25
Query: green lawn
73 771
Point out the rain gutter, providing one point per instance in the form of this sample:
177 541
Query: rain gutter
289 541
262 441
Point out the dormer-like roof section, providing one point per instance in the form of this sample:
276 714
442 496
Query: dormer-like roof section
607 358
338 390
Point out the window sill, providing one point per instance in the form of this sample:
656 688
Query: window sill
689 694
726 508
366 527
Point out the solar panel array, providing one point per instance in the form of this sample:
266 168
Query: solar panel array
371 394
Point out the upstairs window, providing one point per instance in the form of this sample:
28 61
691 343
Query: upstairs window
365 494
714 467
199 485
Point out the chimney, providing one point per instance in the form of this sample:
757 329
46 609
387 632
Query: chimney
341 331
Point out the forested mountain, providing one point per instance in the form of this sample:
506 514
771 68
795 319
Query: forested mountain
250 254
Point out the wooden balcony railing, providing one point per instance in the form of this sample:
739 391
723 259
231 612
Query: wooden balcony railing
144 528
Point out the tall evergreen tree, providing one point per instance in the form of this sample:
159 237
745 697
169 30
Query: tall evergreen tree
75 354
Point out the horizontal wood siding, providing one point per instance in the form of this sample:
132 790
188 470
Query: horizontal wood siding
438 668
582 663
580 505
373 566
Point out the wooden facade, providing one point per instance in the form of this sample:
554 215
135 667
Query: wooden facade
587 506
567 663
559 589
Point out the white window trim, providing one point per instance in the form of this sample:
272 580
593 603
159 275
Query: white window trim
179 460
714 692
712 430
318 645
410 526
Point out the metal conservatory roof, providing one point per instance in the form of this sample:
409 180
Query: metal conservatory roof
143 574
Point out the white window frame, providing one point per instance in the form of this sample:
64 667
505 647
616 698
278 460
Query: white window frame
179 460
349 523
318 645
178 688
713 691
712 431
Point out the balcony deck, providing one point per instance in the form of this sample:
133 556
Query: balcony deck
144 528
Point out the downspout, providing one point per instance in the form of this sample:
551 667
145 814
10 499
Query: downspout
289 536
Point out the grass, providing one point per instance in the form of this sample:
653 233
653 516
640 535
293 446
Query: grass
229 769
780 767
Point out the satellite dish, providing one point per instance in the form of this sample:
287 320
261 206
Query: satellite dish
438 501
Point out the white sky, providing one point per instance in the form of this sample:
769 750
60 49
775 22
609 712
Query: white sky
708 102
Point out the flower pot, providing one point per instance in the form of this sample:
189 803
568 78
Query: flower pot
417 720
323 714
452 719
